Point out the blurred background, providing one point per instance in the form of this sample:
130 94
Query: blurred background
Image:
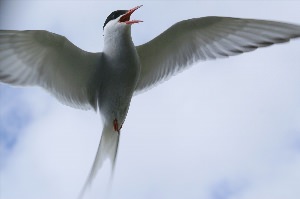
223 129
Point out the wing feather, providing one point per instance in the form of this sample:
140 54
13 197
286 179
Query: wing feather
51 61
203 39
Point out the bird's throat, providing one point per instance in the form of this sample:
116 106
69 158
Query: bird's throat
118 44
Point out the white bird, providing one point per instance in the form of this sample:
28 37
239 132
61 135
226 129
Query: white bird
106 81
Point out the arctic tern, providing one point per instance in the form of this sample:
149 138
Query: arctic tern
106 81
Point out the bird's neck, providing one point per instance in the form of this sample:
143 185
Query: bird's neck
118 41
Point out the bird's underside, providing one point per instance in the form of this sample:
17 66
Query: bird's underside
76 77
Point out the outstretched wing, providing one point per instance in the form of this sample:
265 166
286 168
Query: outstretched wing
51 61
206 38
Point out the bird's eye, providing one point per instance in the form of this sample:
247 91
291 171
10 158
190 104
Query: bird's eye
114 15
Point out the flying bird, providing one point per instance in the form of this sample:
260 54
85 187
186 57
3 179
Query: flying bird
107 80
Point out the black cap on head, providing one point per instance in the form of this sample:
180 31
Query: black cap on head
114 15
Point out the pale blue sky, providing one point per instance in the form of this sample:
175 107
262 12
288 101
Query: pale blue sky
222 129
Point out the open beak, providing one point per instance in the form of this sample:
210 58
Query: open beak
126 17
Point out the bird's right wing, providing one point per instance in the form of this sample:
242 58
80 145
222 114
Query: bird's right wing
205 38
42 58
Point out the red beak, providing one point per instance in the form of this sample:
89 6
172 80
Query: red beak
126 17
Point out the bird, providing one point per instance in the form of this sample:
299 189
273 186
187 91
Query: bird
107 81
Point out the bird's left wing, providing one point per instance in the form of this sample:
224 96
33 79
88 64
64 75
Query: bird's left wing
206 38
45 59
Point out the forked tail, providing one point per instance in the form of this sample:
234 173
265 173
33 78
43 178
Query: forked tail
107 148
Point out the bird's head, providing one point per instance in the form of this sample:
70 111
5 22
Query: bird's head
119 20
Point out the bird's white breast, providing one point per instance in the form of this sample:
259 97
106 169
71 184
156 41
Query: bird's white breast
122 69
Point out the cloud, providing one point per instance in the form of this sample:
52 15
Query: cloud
222 129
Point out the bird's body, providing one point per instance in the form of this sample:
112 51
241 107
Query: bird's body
120 62
122 67
107 81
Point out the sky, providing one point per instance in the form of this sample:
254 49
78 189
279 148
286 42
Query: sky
223 129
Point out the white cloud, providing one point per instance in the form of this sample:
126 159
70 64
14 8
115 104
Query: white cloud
222 129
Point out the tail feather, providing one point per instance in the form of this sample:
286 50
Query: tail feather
108 148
